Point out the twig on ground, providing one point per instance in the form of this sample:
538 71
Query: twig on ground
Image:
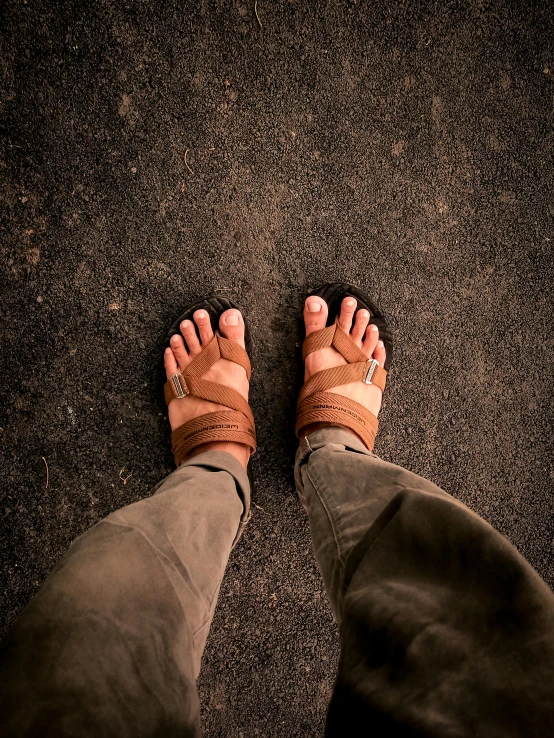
260 508
256 11
46 465
124 479
186 162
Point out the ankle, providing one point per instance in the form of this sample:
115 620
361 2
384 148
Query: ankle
318 426
238 450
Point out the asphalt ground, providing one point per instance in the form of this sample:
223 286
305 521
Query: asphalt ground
154 152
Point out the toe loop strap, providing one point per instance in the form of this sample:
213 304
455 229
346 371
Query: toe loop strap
333 336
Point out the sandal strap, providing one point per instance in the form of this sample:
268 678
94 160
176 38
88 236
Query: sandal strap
223 425
329 407
220 394
218 348
367 371
333 336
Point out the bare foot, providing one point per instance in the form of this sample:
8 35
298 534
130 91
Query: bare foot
181 353
365 336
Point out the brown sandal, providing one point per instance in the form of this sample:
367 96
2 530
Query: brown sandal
235 424
315 404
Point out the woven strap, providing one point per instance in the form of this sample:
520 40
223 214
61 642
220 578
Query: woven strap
235 424
316 405
218 426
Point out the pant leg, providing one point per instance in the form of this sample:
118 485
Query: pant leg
111 643
445 629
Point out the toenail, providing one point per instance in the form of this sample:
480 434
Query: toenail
174 339
201 315
314 307
380 344
168 350
364 313
185 325
350 303
373 328
231 320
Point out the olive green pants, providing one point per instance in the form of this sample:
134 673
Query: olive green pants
445 630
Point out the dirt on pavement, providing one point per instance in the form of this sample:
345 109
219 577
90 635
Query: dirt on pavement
151 153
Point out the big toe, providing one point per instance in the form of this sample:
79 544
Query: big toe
231 325
315 314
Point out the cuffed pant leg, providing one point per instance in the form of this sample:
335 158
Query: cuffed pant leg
111 644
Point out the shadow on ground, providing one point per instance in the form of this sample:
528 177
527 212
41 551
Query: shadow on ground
403 146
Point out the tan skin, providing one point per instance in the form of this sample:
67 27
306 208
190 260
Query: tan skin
186 346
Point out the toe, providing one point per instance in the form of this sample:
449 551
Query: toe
370 341
202 320
179 351
231 325
360 324
170 363
380 354
347 309
315 314
191 337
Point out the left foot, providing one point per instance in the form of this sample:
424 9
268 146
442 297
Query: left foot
183 349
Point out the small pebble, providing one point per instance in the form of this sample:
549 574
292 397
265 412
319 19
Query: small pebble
39 298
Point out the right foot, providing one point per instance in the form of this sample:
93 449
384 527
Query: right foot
365 336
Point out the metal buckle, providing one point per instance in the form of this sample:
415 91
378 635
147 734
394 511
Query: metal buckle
178 381
372 364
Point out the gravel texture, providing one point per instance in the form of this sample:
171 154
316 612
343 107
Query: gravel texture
153 152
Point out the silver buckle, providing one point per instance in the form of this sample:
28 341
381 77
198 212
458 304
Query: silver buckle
175 379
372 364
